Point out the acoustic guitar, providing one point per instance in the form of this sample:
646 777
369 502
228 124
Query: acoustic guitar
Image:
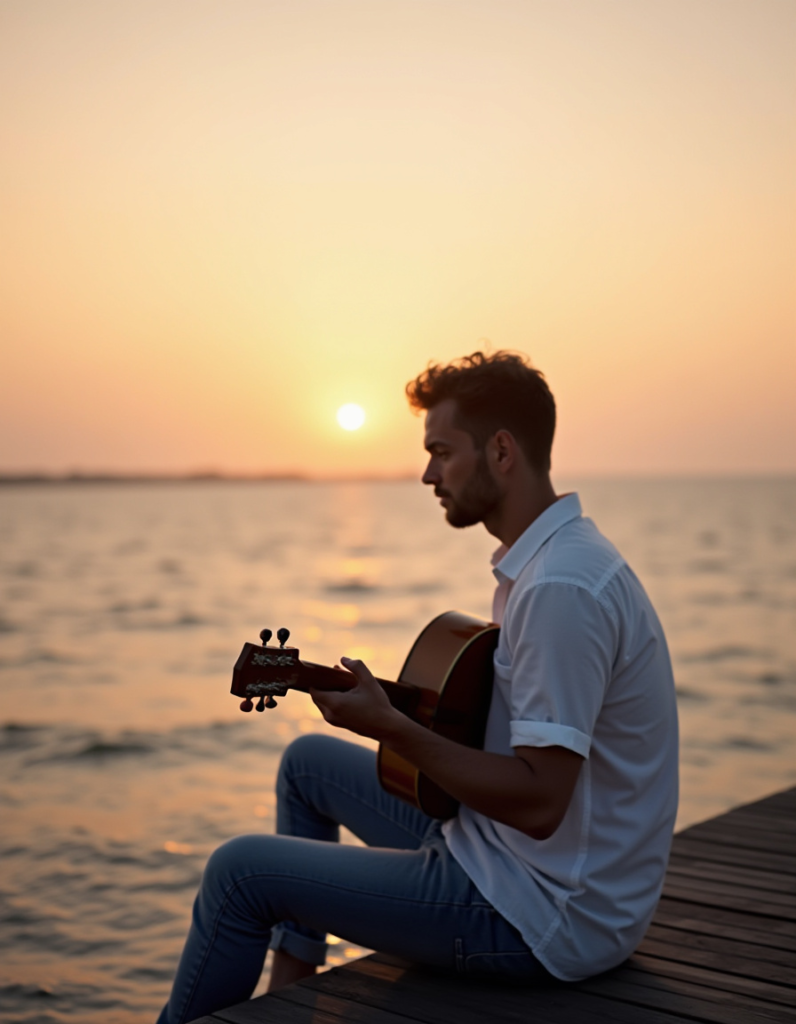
445 685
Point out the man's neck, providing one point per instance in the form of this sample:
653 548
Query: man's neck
519 508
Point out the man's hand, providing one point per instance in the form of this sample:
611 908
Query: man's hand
529 791
364 708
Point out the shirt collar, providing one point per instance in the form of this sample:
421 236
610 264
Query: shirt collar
508 563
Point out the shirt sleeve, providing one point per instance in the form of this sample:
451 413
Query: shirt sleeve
562 643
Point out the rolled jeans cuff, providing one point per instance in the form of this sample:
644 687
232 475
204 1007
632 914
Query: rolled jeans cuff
311 951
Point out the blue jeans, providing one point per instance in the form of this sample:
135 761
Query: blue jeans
402 894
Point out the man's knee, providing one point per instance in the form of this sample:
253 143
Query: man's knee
306 755
234 859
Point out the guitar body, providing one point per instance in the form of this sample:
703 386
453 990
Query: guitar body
445 685
451 664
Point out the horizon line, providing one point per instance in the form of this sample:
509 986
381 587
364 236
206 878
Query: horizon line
218 476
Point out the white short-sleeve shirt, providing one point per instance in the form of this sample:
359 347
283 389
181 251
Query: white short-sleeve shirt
581 663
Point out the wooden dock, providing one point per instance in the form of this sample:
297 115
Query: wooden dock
721 948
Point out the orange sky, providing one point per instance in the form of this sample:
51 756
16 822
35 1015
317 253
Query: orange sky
220 221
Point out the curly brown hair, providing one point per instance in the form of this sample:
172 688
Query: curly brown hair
500 391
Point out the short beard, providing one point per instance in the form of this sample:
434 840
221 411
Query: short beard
480 496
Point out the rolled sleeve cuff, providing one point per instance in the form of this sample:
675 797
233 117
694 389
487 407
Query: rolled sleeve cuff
311 951
549 734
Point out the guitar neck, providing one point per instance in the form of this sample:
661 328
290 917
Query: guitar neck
402 696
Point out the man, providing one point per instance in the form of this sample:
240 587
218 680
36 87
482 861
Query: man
555 862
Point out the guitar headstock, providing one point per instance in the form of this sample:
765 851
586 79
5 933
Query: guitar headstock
265 672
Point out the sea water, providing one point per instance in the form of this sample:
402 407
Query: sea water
125 760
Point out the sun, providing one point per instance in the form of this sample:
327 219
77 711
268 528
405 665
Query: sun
350 416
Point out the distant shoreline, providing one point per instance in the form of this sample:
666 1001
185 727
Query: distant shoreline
11 479
59 479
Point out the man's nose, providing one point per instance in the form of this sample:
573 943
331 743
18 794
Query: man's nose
430 476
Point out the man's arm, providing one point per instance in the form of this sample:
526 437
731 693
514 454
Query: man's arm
529 792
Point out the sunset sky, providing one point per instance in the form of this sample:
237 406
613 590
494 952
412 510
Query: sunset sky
222 220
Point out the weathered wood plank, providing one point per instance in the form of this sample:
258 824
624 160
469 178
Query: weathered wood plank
299 1005
317 999
725 898
719 976
718 877
773 927
719 853
781 822
274 1011
766 902
761 840
749 878
711 921
688 1000
757 816
746 956
752 975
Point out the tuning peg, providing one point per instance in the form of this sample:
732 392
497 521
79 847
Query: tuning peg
261 704
282 636
246 705
265 635
270 703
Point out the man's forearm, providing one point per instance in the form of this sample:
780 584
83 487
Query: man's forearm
529 792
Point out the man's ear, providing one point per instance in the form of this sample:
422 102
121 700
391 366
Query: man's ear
502 451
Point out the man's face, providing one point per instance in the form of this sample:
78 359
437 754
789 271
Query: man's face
457 470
